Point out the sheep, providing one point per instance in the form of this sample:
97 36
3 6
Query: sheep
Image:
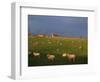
36 54
50 57
71 57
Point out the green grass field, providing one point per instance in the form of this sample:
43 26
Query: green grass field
56 46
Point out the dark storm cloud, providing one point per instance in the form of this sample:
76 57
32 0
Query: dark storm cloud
64 25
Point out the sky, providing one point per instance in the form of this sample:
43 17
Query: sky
63 25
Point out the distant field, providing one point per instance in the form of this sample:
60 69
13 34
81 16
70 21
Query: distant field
57 46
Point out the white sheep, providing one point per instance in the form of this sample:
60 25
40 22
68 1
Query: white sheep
50 57
71 57
36 54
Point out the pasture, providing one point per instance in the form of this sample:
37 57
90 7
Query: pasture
56 46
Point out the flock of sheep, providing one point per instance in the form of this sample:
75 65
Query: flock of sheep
70 57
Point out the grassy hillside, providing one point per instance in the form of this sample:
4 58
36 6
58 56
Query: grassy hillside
56 46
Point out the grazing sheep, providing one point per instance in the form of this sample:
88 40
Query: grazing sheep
36 54
71 57
50 57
